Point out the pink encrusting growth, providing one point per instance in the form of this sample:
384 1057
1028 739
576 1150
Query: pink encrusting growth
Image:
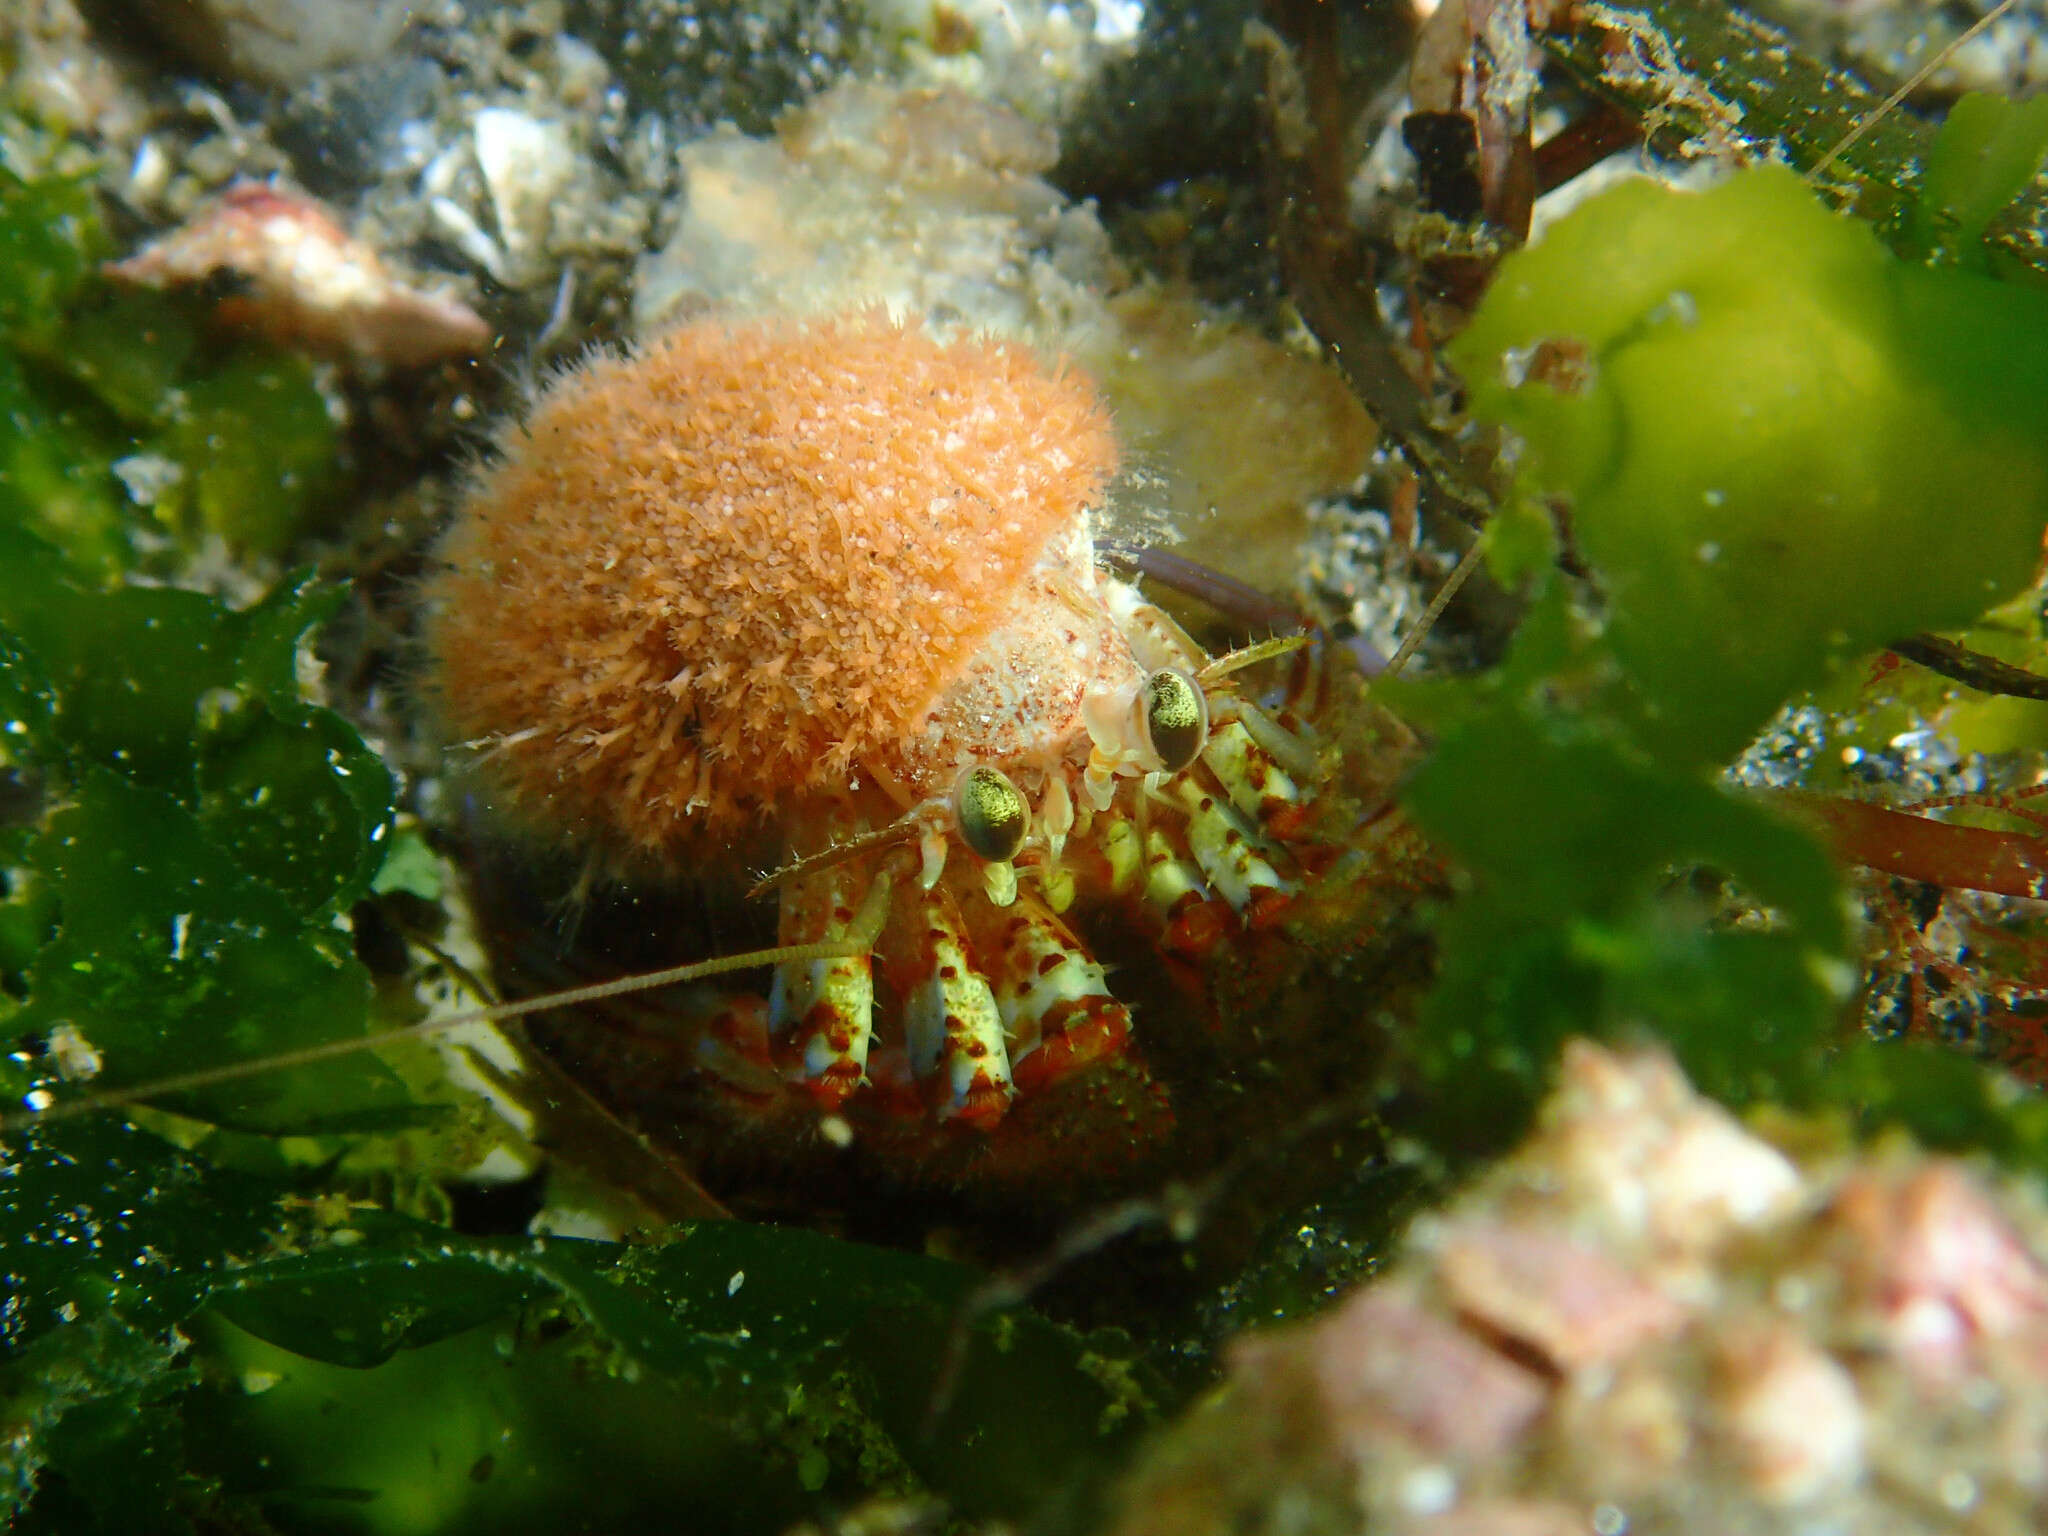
712 578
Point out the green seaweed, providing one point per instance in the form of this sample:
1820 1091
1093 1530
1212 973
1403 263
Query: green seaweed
205 826
1987 155
181 1323
1780 445
672 1356
219 436
51 239
1776 445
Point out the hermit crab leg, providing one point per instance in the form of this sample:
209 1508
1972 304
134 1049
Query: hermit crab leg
829 1003
952 1026
1256 784
1228 848
1056 1006
1262 765
1172 883
1156 641
1195 920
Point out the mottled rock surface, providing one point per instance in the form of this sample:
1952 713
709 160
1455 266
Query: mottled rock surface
1652 1319
273 42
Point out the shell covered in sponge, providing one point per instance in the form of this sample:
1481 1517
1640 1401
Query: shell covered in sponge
714 576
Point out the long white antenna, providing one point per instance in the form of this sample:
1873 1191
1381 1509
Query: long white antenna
207 1077
1919 77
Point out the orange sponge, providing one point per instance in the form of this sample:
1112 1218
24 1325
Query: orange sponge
709 579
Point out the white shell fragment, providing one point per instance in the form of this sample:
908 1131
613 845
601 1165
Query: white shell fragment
526 164
304 281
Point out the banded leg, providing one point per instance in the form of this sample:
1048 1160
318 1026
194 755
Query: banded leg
827 1006
1111 858
1175 889
953 1029
1057 1009
1230 852
1253 776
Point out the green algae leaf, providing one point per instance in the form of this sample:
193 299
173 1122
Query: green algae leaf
501 1431
396 1285
258 446
1615 818
56 478
115 1464
1556 661
297 800
1948 1101
1026 1394
28 704
286 785
1988 152
128 668
28 918
76 1404
1576 923
98 1217
130 348
171 690
109 1239
751 1321
56 456
50 241
1781 445
207 824
412 867
234 440
169 957
829 1359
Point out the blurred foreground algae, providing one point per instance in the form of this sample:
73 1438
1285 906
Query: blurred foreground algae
519 1383
123 422
1777 446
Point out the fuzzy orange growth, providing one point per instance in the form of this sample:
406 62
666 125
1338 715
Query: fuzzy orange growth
716 575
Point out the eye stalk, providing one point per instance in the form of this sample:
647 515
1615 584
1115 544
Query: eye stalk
991 813
1174 713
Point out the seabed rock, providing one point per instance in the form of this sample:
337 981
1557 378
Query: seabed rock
1651 1319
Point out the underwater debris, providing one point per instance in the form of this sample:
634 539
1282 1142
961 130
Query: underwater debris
936 205
1652 1312
275 42
50 70
526 162
304 281
925 200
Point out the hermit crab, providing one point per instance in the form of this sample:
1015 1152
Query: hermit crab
823 599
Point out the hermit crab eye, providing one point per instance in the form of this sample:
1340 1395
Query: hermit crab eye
1176 716
992 814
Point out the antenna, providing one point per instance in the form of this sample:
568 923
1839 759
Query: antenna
207 1077
1918 78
